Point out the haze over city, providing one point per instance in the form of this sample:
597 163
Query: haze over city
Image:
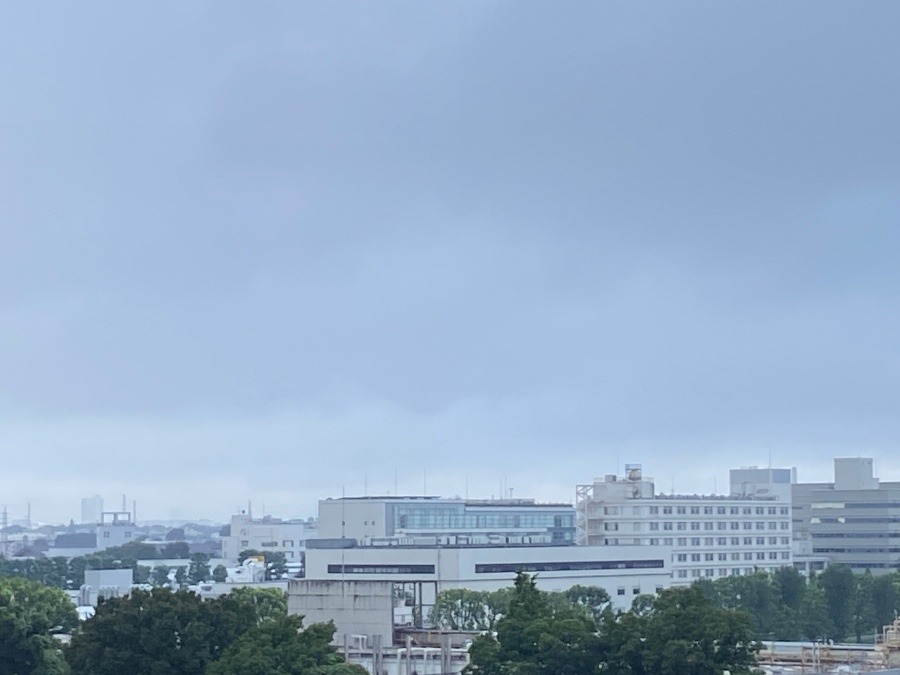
277 253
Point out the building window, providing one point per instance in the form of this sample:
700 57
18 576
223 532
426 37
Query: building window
654 510
636 590
723 556
682 574
695 510
667 510
667 526
620 591
680 510
653 526
708 557
695 557
707 526
695 541
695 526
720 510
735 541
682 557
682 541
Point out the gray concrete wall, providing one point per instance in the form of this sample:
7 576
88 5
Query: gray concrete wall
356 607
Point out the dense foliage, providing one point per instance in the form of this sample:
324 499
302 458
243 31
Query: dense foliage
247 631
30 612
681 631
834 605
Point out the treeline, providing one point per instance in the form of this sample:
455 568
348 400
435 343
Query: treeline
68 573
160 631
835 604
681 630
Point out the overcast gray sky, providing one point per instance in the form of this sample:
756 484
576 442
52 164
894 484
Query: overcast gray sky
271 251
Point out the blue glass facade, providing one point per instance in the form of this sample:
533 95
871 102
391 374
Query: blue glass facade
557 521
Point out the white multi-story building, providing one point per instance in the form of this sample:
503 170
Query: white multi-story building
268 534
710 536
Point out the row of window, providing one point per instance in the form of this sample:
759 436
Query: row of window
706 541
746 555
711 572
569 566
707 526
721 510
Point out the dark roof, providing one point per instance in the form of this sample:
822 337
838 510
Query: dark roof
76 540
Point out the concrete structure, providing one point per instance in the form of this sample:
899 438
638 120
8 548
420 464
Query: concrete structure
115 529
91 510
624 572
73 545
411 520
709 536
268 534
366 630
855 520
104 584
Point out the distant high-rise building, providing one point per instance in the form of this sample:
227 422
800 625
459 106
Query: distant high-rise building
91 509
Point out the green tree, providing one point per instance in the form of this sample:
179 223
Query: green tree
593 598
180 576
884 600
157 632
682 631
839 585
220 573
29 613
199 568
176 549
266 603
864 606
534 639
280 647
461 609
160 575
815 621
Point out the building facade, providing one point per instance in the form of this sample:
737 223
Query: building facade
425 520
709 536
268 534
853 521
624 571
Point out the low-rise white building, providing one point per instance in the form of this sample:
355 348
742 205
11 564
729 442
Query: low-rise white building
624 572
268 535
709 536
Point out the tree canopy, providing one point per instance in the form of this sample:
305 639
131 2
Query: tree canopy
30 612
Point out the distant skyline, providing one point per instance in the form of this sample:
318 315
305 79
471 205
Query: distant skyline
271 252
